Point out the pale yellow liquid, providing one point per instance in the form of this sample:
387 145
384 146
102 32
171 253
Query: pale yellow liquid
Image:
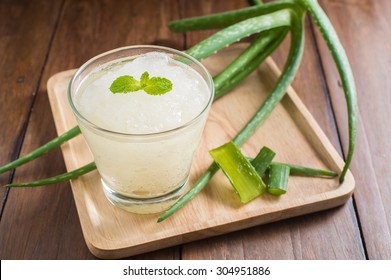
143 160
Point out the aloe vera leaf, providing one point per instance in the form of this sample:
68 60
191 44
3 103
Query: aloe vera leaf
56 142
248 61
307 171
240 172
278 179
225 19
236 32
262 160
59 178
284 81
337 51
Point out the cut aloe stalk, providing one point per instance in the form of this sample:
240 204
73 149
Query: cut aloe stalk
242 175
262 160
278 179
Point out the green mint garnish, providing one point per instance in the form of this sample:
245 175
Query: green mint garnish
125 84
144 79
152 86
157 86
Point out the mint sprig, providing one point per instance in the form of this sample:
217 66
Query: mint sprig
152 86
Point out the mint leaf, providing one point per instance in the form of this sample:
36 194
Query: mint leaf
144 79
158 86
152 86
125 84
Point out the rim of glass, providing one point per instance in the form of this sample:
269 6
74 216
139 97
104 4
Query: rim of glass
151 47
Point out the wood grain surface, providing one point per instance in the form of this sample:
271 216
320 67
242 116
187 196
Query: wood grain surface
41 38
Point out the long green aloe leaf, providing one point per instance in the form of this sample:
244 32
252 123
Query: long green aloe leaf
337 51
240 30
242 175
229 18
59 178
56 142
249 60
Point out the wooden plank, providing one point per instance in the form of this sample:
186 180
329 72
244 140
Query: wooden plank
363 27
297 238
26 28
22 24
42 222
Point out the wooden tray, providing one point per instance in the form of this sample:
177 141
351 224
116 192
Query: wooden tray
290 130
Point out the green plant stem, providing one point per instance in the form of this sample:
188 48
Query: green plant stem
274 38
249 54
286 78
306 171
263 159
290 69
240 30
240 172
225 19
337 51
248 60
278 179
59 178
300 170
56 142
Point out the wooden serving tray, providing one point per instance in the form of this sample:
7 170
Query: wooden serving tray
290 130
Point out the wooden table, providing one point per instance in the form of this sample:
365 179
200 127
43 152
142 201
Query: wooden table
40 38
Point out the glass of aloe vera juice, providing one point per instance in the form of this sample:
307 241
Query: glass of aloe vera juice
142 110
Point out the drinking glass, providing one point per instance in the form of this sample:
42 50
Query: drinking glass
142 173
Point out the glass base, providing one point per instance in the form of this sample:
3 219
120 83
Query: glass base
144 206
